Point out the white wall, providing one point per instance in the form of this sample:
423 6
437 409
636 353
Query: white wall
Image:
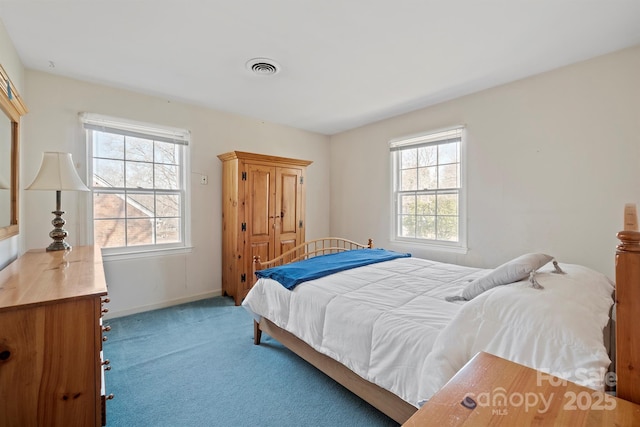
144 283
551 161
11 63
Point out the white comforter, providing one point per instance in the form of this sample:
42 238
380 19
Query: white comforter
390 324
557 330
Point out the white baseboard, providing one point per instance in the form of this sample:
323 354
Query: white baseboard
163 304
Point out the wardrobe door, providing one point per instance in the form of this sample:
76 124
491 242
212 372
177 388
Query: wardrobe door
260 219
288 209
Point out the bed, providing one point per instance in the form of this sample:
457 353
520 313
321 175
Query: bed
393 332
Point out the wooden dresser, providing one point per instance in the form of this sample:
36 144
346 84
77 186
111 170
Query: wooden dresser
263 210
509 394
51 369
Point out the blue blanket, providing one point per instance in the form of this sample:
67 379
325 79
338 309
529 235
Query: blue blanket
290 275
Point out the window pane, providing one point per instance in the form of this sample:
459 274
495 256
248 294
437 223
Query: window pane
426 204
408 205
426 227
168 230
427 178
108 173
168 205
109 233
166 152
448 228
139 149
428 156
448 176
167 177
408 226
408 158
409 180
139 175
447 204
108 205
108 145
139 232
448 153
140 206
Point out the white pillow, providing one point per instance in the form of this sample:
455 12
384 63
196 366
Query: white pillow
509 272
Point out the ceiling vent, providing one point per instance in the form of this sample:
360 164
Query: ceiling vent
263 66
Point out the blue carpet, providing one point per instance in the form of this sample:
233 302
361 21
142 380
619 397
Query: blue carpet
195 365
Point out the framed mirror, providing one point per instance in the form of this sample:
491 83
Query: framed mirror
12 108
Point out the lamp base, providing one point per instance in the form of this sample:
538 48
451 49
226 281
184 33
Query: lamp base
58 246
58 234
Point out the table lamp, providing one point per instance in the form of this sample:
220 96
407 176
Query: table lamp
58 173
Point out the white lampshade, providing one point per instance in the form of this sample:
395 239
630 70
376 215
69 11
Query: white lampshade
57 172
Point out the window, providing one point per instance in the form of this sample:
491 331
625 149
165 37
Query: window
428 190
139 184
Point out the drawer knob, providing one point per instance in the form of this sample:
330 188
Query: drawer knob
469 403
107 368
105 310
106 328
106 362
109 397
106 300
104 338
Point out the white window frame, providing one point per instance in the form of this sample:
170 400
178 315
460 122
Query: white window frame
127 127
428 138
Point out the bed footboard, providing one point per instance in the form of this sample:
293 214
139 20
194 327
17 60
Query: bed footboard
324 246
309 249
627 308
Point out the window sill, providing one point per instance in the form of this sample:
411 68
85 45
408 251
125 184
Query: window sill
128 253
430 246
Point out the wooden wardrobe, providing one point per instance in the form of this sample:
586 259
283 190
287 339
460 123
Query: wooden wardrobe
263 203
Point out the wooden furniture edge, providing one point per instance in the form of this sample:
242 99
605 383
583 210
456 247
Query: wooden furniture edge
14 101
486 392
53 263
385 401
627 300
243 155
13 105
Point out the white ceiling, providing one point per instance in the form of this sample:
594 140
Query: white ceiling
345 63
